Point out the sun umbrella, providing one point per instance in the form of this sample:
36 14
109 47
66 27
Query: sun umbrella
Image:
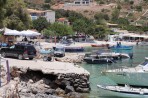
29 33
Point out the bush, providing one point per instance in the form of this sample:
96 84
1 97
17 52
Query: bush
139 8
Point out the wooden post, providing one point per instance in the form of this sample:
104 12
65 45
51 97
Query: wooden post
8 71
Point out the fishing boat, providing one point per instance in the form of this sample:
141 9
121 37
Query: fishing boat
104 57
97 45
98 59
120 47
136 76
122 91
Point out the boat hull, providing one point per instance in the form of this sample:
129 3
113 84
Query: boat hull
74 49
118 94
139 79
103 45
121 48
97 61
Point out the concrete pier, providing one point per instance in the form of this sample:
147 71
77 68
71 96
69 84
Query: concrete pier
41 77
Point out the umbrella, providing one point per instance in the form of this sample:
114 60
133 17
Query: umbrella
29 33
11 32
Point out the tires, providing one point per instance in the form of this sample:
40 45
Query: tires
20 57
3 54
30 58
49 59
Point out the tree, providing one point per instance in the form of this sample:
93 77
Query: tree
115 14
79 25
139 8
40 24
100 31
16 16
2 3
122 21
48 33
131 2
2 11
60 29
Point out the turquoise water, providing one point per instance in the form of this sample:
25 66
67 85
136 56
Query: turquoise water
139 53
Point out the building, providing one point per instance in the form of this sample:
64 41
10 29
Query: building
78 3
82 2
63 21
48 14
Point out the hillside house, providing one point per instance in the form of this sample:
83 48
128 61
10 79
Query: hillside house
63 21
82 2
78 3
48 14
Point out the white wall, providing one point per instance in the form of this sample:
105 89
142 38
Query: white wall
50 16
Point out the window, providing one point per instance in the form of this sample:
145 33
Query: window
77 2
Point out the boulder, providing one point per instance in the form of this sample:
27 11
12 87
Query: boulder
69 89
49 91
59 91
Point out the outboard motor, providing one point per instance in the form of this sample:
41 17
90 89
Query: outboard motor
131 55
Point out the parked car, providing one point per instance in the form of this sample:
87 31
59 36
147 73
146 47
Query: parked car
20 51
59 51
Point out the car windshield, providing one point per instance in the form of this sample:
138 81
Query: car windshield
30 48
59 49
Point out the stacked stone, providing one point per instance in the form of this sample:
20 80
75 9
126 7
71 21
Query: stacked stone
77 82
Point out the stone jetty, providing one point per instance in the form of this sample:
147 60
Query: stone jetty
40 79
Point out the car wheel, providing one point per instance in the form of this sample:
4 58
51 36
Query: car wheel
3 54
30 58
63 55
20 56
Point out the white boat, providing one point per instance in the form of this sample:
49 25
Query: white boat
122 92
113 54
143 43
137 76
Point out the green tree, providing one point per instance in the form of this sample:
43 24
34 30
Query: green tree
2 11
115 14
48 33
122 21
131 2
2 3
60 29
16 16
40 24
100 31
139 8
79 25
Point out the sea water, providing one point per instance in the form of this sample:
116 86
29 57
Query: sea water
139 54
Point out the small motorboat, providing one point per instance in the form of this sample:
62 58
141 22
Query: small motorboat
98 59
122 91
96 45
121 47
104 57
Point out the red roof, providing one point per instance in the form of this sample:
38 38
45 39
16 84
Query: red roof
62 19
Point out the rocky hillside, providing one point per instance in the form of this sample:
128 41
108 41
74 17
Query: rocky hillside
133 10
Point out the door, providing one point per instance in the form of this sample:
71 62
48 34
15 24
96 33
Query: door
10 51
